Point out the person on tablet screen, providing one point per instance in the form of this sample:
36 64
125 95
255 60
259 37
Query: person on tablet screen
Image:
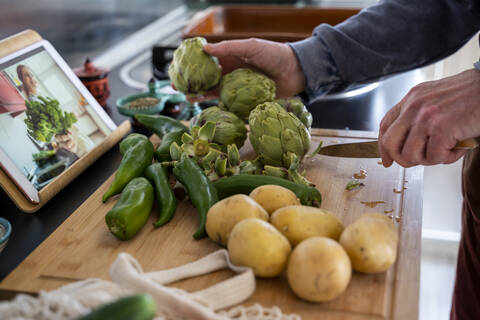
29 83
72 144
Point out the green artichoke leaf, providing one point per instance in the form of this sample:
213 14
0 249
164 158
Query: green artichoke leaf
186 138
247 167
207 131
270 127
297 107
233 155
243 89
175 151
271 150
221 166
188 149
229 128
293 142
279 172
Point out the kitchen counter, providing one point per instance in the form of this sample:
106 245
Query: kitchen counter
29 230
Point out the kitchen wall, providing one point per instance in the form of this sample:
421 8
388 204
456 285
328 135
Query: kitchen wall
442 206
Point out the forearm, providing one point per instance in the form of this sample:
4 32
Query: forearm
390 37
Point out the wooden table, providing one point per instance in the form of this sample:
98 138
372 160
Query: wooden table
82 246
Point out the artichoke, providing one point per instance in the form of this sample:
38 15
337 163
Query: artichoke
229 128
192 70
276 134
297 107
243 89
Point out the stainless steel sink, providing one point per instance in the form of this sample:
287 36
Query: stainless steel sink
362 107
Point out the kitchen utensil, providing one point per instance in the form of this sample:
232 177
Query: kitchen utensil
370 149
123 104
96 81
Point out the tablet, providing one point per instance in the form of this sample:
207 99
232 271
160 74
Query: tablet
48 119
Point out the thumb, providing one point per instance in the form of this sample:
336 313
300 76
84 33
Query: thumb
213 48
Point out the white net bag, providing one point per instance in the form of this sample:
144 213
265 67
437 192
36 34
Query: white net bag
78 298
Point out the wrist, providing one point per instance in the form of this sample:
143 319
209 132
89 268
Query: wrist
293 74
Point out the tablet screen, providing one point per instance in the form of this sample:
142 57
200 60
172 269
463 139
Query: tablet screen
46 121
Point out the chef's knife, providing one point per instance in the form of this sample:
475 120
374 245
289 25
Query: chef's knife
370 149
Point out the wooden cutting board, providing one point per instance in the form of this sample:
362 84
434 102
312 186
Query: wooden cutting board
82 246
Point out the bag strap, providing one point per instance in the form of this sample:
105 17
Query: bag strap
126 271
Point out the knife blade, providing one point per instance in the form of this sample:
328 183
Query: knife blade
352 150
369 149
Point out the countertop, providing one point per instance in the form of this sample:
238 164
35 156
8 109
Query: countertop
29 230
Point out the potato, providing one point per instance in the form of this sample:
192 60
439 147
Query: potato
371 243
298 223
319 269
225 214
257 244
272 197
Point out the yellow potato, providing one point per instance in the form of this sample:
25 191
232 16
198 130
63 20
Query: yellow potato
298 223
225 214
272 197
371 243
257 244
319 269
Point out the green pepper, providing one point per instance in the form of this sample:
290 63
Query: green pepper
160 125
167 203
163 150
135 307
131 211
138 155
130 141
245 183
200 189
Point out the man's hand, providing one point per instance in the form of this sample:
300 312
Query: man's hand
274 59
424 127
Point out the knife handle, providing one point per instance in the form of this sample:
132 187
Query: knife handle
471 143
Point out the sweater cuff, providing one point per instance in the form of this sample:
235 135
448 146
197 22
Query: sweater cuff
318 66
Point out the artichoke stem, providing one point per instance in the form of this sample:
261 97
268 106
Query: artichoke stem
201 147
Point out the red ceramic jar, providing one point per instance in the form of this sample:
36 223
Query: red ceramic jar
96 81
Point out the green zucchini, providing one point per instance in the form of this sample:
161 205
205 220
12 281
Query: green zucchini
134 307
245 183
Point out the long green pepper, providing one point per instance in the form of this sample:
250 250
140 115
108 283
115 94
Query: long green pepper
167 203
160 125
137 155
200 189
131 140
131 211
163 151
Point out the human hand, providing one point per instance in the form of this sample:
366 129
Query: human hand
65 141
424 127
274 59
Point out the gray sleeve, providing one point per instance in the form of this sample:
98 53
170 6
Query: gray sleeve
389 37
